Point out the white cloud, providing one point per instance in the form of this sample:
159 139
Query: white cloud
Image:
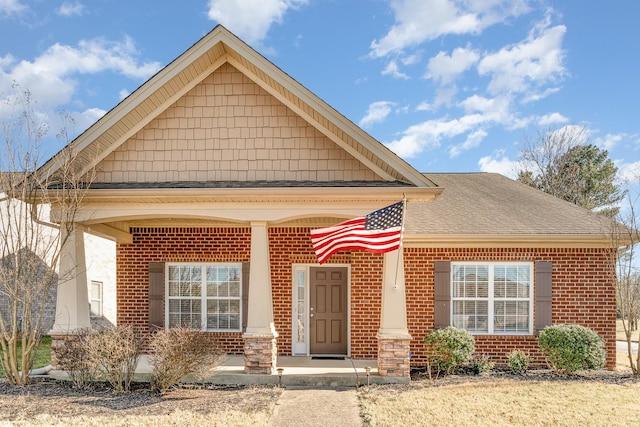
423 20
250 19
417 138
393 70
50 77
629 172
609 140
377 112
445 68
71 9
528 66
11 7
473 140
502 165
552 119
123 93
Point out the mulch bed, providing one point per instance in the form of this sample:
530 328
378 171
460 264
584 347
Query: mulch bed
47 396
498 374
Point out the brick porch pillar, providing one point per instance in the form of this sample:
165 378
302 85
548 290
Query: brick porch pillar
260 346
393 337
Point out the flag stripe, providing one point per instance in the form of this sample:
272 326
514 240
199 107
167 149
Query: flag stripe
378 232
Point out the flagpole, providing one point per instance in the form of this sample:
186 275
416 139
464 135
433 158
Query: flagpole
404 212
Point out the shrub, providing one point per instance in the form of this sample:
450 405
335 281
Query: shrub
449 348
570 348
73 357
181 351
115 352
481 363
518 361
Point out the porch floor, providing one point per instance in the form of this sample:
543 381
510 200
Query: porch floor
297 371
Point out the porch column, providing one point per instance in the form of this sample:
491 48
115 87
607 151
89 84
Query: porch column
260 350
72 303
393 336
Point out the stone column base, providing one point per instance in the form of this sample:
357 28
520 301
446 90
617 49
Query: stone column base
57 342
260 354
393 356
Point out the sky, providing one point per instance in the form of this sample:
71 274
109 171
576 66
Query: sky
448 85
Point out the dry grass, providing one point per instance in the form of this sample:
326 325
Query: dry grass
52 404
176 418
620 335
503 402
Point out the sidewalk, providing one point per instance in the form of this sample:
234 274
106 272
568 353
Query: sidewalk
313 407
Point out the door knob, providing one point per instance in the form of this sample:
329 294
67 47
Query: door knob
311 315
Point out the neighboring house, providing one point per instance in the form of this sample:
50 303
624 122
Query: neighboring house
100 272
211 175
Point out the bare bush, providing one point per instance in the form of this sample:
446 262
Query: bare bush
181 351
115 352
74 358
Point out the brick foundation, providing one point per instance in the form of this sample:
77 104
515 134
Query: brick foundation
393 356
260 355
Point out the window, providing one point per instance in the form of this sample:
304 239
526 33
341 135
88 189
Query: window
95 298
205 296
492 298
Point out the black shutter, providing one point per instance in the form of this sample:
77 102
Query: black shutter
442 291
543 295
245 294
156 295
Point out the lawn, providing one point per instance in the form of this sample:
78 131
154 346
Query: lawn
43 355
512 402
620 335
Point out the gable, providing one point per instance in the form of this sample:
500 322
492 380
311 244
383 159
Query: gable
163 92
227 128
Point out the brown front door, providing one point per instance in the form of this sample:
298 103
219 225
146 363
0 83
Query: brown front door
328 310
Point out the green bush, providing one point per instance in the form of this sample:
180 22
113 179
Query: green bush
449 348
570 348
518 361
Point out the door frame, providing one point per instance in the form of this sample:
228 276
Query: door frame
302 349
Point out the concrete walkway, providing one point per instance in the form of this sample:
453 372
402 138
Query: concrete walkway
313 407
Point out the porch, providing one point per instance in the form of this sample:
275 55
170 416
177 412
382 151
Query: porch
296 371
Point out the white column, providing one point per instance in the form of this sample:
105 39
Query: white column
260 316
72 304
393 316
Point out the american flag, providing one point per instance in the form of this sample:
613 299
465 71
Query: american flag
378 232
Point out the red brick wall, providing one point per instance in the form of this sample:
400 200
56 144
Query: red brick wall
179 244
583 293
583 289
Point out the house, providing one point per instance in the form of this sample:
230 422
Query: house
100 262
211 175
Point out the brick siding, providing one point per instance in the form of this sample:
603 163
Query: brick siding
583 286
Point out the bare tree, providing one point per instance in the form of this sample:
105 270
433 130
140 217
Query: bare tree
30 247
624 237
562 163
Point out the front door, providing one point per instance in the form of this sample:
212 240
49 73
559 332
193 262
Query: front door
328 308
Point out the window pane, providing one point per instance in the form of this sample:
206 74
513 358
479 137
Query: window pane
234 306
234 289
234 321
223 289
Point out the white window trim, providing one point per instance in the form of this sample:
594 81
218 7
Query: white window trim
203 296
491 299
99 300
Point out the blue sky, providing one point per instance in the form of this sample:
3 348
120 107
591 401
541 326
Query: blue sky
449 85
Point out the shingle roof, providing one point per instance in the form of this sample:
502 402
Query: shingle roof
491 204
